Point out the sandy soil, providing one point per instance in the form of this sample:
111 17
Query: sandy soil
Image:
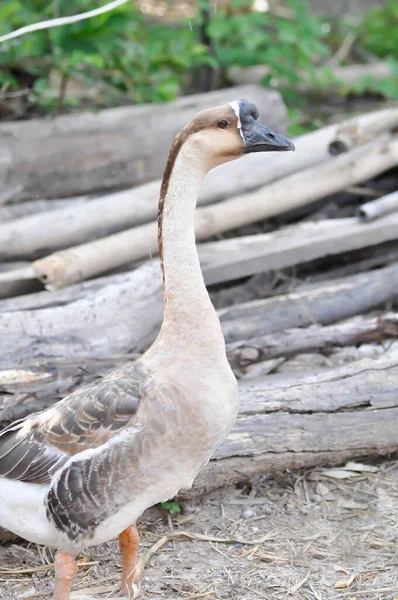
300 535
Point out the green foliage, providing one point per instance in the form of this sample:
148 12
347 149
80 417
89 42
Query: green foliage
143 61
379 32
123 56
171 507
285 44
300 123
376 33
387 86
379 35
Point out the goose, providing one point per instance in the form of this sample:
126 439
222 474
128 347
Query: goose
83 471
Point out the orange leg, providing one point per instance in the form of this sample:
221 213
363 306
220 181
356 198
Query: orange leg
129 540
65 571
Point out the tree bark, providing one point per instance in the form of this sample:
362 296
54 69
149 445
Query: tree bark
23 210
88 260
117 147
239 257
312 339
377 208
45 299
321 304
126 316
348 412
18 281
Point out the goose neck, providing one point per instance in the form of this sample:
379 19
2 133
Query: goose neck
185 295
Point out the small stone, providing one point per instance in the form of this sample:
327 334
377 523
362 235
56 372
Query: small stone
248 513
262 575
41 574
249 353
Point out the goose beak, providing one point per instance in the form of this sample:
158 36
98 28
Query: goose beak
260 138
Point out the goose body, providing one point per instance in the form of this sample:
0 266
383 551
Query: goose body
148 460
81 472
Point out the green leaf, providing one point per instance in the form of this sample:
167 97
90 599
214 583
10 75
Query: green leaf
171 507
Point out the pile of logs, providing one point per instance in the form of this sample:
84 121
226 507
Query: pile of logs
294 278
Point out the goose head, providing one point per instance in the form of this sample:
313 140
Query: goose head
227 132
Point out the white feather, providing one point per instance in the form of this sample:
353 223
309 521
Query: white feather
235 107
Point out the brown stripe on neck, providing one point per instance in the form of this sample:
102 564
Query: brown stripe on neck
203 120
174 150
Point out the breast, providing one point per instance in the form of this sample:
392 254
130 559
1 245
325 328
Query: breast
205 408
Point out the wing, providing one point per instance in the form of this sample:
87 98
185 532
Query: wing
34 448
26 459
94 484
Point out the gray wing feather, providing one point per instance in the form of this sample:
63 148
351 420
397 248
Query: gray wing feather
26 460
33 449
93 485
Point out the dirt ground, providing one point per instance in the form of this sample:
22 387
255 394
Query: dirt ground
321 534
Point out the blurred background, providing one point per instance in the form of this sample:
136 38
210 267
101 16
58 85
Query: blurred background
326 58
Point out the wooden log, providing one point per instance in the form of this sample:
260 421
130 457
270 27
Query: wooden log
320 304
274 283
373 258
312 339
120 317
74 224
348 412
234 258
18 281
347 76
21 210
126 316
84 261
377 208
45 299
117 147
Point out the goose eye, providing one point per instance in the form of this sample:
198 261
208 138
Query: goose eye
222 123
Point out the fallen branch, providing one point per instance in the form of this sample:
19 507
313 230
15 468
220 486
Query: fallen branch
67 226
22 210
348 412
377 208
125 316
87 260
234 258
45 299
111 320
320 304
18 281
312 339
